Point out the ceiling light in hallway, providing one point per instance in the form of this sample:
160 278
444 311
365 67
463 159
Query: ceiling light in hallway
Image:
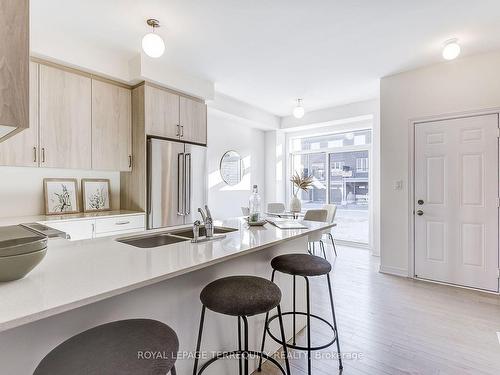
451 49
298 111
152 43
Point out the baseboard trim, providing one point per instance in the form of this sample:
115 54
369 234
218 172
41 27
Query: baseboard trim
403 272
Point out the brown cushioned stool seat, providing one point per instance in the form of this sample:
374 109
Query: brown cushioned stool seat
301 265
241 295
113 348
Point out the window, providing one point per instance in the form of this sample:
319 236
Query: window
339 164
362 165
336 168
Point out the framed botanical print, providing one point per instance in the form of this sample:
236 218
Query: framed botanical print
96 195
61 195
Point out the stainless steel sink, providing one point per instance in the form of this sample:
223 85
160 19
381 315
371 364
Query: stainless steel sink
189 232
175 236
153 240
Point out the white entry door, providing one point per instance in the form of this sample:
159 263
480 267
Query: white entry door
456 206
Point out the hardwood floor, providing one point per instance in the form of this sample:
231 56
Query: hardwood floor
401 326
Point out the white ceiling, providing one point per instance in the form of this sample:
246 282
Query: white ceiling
267 53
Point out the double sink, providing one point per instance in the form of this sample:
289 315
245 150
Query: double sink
171 237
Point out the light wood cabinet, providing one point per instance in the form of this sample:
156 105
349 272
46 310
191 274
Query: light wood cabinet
111 127
22 149
193 120
162 113
65 119
14 67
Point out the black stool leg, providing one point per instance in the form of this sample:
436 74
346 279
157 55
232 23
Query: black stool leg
294 330
285 349
308 326
264 334
322 248
198 344
240 364
245 339
334 321
333 244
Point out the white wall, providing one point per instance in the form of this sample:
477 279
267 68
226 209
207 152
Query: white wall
466 84
227 132
21 188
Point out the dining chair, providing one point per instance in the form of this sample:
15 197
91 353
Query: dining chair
275 208
321 216
332 211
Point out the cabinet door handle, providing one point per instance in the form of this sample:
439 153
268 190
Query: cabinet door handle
182 131
34 154
43 154
178 131
130 161
122 222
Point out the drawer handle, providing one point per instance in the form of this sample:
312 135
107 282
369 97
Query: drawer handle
122 222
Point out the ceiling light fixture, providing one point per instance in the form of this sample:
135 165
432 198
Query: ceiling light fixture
451 49
152 43
299 111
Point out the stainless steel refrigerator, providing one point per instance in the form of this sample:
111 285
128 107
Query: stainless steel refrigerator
177 182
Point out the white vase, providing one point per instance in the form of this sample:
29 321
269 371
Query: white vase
295 204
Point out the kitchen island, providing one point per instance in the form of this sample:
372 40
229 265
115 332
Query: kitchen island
81 284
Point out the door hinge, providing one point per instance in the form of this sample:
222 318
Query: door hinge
498 273
498 202
498 132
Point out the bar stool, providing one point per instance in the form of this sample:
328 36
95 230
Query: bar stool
306 266
241 296
114 348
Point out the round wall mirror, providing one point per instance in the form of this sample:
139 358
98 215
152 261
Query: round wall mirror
231 168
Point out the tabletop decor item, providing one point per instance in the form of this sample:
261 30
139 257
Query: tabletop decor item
300 182
61 196
96 195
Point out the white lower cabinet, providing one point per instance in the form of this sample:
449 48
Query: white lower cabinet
77 229
82 228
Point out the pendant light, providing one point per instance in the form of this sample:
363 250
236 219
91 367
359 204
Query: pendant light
451 49
152 43
299 111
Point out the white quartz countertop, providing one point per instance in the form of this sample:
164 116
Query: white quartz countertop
77 273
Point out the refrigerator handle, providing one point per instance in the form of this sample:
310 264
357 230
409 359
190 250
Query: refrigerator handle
180 184
187 184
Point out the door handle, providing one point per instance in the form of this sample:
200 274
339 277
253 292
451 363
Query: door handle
43 154
182 131
187 184
178 131
420 202
34 154
420 212
180 184
130 161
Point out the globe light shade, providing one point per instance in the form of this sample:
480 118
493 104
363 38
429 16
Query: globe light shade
451 50
153 45
298 112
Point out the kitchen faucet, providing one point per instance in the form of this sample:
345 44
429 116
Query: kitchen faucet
207 220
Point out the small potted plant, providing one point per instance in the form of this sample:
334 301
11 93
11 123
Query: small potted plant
300 182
